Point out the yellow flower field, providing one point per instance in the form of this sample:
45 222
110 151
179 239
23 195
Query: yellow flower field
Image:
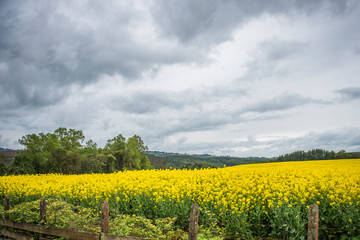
239 190
237 187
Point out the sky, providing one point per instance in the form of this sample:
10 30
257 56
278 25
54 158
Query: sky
232 77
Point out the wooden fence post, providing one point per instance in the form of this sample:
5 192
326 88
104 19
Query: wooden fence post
42 218
194 221
7 206
313 222
105 217
42 211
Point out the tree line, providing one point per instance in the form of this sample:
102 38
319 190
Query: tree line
315 154
64 151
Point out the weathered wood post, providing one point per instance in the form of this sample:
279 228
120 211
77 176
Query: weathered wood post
194 221
7 206
313 222
42 211
105 217
42 218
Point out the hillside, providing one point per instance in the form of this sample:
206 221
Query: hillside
5 149
6 155
179 160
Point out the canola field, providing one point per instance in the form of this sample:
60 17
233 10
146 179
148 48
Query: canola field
269 199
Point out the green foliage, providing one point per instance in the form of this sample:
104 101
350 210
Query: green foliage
344 155
2 158
126 225
63 152
135 155
94 163
315 154
50 152
346 216
59 214
209 229
115 144
22 164
3 169
146 218
199 165
288 222
69 140
162 160
110 163
2 213
64 215
122 160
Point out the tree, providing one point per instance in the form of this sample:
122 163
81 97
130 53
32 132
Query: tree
71 139
115 144
135 155
142 148
94 163
314 154
122 160
21 165
54 152
140 144
3 169
34 153
91 147
62 151
110 163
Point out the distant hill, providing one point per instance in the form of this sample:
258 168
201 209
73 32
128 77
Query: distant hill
5 149
180 160
6 155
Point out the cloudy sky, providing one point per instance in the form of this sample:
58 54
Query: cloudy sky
239 78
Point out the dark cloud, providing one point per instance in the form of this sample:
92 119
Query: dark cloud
269 58
144 102
46 46
185 113
283 102
349 93
213 21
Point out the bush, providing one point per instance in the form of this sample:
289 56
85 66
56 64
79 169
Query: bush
127 225
58 214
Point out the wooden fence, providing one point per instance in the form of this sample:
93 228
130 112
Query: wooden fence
40 230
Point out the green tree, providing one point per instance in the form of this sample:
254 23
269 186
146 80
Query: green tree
62 151
21 165
110 164
71 139
135 156
90 148
3 169
142 148
122 160
35 152
93 163
52 152
115 144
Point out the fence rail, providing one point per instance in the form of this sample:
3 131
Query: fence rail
312 233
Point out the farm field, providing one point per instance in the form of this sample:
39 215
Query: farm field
266 200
